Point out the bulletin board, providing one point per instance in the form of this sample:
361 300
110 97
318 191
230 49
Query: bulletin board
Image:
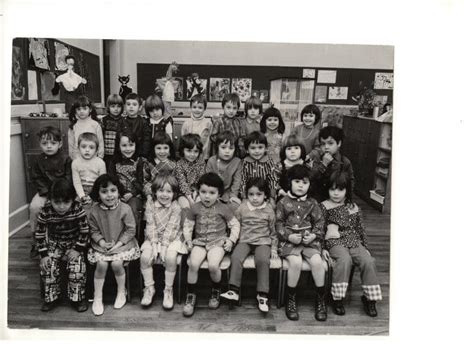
350 81
33 75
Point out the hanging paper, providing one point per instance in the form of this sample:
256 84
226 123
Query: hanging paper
327 76
309 73
338 92
383 81
243 87
32 85
39 53
61 52
19 81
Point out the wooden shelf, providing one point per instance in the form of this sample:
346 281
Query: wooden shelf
387 150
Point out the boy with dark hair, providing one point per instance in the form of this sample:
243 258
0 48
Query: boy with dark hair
111 124
329 161
136 124
46 168
63 234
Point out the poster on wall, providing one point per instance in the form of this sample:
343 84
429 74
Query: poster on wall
243 87
288 91
320 94
218 87
32 85
38 53
338 92
195 85
309 73
383 81
327 76
19 78
47 84
60 56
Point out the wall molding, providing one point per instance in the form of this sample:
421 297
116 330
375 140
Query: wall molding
19 219
19 228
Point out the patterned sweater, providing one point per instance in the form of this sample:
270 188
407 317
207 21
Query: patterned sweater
71 226
188 173
235 125
167 166
133 174
162 222
264 168
110 127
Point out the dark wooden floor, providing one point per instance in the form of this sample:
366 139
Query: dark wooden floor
24 301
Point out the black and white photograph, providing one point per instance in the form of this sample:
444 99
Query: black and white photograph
227 186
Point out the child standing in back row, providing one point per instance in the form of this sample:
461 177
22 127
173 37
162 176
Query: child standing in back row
198 123
253 110
134 123
157 122
111 125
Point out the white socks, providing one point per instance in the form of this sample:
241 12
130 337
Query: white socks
98 286
169 278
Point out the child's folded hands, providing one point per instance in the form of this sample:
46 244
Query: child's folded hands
228 245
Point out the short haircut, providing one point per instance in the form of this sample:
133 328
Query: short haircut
81 101
213 180
226 136
50 133
255 137
297 172
253 103
272 112
292 141
190 141
231 97
162 138
342 181
134 96
198 98
154 102
102 182
61 189
335 132
311 108
70 57
88 137
159 182
259 183
114 99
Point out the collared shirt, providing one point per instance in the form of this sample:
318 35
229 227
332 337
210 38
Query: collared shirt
297 216
264 168
47 168
257 224
162 222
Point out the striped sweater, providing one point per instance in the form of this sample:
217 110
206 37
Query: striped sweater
264 168
70 226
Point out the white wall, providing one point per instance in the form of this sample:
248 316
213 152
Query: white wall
127 53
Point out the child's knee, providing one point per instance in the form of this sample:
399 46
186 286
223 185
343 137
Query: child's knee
117 267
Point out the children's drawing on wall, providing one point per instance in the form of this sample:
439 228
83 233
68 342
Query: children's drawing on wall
48 84
218 88
288 91
195 85
38 53
383 81
60 56
70 81
309 73
124 89
243 87
32 85
327 76
320 94
19 81
338 92
261 94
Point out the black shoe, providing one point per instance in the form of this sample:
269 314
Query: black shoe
47 306
369 306
33 252
338 307
321 313
291 309
81 306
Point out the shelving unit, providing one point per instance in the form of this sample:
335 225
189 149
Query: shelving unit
368 145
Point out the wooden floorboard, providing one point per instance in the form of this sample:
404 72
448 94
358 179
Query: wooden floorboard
24 300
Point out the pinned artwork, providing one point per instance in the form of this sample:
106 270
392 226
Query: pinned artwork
309 73
218 87
32 85
327 76
38 53
338 92
19 78
195 85
320 94
60 57
383 81
243 87
48 80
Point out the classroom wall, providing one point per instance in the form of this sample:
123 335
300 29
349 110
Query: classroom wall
127 53
18 207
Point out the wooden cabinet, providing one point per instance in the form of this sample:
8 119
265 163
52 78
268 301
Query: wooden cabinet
368 146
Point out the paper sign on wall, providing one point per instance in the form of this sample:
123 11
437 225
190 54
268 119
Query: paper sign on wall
327 76
338 92
309 73
383 81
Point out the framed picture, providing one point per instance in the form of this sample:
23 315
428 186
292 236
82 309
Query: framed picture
243 87
218 87
337 92
383 81
19 75
320 94
195 85
309 73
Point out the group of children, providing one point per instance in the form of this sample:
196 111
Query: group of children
239 187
